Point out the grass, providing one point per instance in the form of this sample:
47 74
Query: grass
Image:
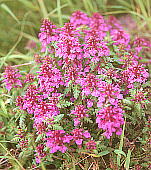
14 12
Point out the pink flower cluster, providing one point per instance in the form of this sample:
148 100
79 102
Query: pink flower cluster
79 112
110 118
56 140
12 76
91 62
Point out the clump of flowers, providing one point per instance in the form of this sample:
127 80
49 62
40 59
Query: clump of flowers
87 71
91 145
56 140
79 112
12 78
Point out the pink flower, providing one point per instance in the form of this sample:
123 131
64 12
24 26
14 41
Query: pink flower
134 73
139 97
40 153
79 113
109 93
98 23
89 103
88 65
79 135
129 59
45 112
113 23
110 119
56 140
68 48
94 49
120 37
47 35
30 100
88 83
12 76
91 145
71 74
140 43
79 18
49 78
29 78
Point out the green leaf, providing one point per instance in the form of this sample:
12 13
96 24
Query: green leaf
29 4
16 139
67 90
128 102
133 92
59 12
6 157
138 108
57 127
3 107
119 152
121 145
43 8
127 162
39 137
64 103
104 153
58 117
88 120
76 92
22 121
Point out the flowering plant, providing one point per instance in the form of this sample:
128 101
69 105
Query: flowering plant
89 76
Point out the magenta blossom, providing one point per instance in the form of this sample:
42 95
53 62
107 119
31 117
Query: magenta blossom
79 135
47 35
120 37
134 73
40 153
79 113
91 145
12 76
79 18
56 140
108 93
110 119
49 78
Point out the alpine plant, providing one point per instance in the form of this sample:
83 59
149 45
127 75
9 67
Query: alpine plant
87 68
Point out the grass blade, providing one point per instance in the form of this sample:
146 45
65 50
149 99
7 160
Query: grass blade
43 8
121 144
4 110
29 4
59 12
127 162
8 10
148 6
142 7
87 8
124 3
55 10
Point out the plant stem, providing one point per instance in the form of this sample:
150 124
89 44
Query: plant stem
43 8
22 168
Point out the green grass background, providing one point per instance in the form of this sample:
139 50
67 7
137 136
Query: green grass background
20 19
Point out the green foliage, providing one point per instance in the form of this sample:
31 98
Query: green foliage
76 92
22 121
127 162
63 103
